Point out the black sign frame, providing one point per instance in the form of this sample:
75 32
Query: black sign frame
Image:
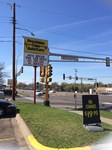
91 113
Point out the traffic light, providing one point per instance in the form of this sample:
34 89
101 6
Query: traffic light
107 61
21 69
70 77
49 79
63 76
76 78
49 71
42 71
42 79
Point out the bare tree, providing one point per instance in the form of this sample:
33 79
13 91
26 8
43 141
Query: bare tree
2 73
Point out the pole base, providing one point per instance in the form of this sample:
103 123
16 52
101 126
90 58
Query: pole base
47 103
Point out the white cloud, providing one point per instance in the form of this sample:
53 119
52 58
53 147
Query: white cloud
79 22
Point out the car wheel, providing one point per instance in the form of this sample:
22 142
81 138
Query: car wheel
1 112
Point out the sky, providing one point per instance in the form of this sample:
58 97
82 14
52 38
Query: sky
72 27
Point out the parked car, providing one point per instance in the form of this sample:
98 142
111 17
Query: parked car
7 109
39 93
2 95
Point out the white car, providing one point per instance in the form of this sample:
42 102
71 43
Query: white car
2 96
51 91
39 93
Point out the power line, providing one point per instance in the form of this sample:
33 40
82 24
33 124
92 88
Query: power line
5 41
52 32
52 12
62 34
4 17
10 37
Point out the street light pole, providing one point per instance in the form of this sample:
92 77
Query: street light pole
16 73
75 79
75 95
13 52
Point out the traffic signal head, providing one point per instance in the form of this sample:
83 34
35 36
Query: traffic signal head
22 69
70 77
76 78
63 76
42 79
49 79
49 71
42 71
107 61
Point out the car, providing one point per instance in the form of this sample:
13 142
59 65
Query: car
44 91
2 95
51 91
39 93
7 109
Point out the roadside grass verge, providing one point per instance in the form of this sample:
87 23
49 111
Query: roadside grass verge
106 114
58 128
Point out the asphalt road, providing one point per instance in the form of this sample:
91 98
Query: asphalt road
66 100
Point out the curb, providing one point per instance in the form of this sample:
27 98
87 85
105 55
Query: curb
33 143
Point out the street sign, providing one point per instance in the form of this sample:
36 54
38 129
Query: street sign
69 58
35 52
91 114
90 79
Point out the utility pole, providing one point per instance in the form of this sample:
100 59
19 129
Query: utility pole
13 53
35 67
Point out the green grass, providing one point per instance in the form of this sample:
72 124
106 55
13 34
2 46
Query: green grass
58 128
106 114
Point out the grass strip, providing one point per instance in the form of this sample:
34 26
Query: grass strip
58 128
106 114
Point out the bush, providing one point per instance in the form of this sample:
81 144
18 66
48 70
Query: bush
8 92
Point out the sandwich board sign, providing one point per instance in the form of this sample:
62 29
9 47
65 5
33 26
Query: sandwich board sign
91 113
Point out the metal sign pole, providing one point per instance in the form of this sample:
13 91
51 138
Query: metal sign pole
35 84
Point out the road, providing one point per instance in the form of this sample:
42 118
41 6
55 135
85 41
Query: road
66 100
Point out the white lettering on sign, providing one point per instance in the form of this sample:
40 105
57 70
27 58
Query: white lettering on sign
35 60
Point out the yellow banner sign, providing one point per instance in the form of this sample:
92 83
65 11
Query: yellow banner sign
37 46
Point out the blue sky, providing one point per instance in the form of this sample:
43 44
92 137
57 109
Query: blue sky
73 27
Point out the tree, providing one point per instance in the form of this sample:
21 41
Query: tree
54 85
21 85
2 73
